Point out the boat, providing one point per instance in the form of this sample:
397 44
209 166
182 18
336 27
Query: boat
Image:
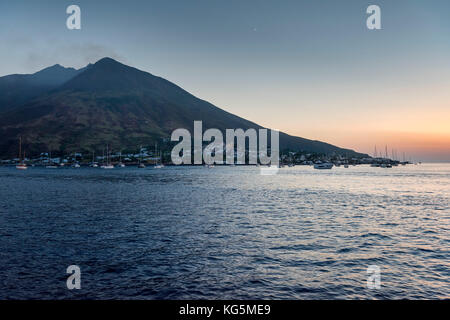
76 165
160 164
51 164
141 165
325 165
375 165
93 163
107 165
120 164
21 165
345 165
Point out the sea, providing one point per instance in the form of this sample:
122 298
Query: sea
226 233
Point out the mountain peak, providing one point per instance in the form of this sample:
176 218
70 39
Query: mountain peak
108 74
107 61
54 68
53 76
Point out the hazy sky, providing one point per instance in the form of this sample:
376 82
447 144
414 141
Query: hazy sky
309 68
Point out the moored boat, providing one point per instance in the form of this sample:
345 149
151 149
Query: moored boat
21 165
325 165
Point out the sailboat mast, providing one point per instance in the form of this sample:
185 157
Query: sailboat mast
20 148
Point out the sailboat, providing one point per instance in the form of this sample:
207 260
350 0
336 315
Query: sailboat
141 165
21 165
93 163
404 160
375 162
107 165
50 165
120 164
388 163
160 164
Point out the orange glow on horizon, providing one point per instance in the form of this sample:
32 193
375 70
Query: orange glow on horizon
419 146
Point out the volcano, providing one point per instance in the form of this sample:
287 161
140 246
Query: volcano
67 110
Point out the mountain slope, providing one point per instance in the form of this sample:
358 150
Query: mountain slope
112 103
17 89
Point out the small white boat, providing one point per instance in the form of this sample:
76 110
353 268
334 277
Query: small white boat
51 167
321 166
158 164
94 165
141 166
22 166
76 165
120 164
108 164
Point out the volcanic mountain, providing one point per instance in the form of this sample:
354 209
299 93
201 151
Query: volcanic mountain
67 110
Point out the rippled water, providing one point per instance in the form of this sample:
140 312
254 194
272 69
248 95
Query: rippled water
226 232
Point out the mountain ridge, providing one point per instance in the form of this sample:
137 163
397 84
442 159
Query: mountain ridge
17 89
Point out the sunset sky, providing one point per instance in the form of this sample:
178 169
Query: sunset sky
309 68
